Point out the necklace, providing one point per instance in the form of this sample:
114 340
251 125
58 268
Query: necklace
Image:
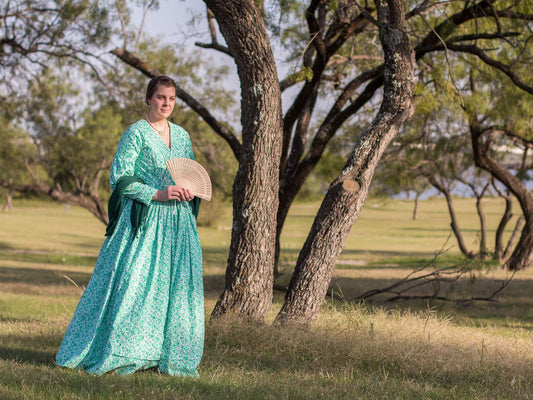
161 132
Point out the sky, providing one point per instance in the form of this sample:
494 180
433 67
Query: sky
171 21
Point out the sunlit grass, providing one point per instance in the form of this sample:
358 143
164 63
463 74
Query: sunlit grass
407 350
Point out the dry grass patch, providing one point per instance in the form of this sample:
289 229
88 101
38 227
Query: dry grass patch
375 351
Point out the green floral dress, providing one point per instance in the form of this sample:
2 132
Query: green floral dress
143 306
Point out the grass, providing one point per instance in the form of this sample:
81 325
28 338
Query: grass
408 350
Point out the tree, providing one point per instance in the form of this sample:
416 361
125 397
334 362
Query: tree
70 161
484 132
34 35
38 30
347 194
250 270
436 145
339 57
15 153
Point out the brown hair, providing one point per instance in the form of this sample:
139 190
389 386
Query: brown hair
162 80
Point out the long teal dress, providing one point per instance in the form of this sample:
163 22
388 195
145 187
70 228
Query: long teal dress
143 306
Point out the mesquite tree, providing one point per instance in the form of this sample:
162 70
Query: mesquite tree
347 194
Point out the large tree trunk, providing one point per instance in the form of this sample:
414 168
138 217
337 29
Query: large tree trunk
249 274
347 194
522 256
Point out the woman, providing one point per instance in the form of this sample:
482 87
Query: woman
143 307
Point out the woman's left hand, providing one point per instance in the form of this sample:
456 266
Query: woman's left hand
174 193
181 193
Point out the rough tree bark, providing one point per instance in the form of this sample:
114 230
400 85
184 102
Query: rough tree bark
347 194
249 273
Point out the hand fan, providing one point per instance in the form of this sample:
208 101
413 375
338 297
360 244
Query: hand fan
191 175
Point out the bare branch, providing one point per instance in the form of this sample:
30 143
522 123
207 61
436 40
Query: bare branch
425 6
135 62
146 8
471 49
214 46
477 36
402 289
368 16
122 23
213 32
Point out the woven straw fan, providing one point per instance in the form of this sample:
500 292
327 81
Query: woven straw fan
190 175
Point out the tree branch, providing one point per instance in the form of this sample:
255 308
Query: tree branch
214 46
199 108
402 288
213 32
471 49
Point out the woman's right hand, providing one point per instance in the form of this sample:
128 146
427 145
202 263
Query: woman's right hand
173 193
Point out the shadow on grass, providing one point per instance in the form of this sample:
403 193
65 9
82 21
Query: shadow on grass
48 258
39 277
357 259
34 357
214 255
446 230
35 344
506 310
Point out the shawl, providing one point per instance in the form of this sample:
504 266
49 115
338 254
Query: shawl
139 211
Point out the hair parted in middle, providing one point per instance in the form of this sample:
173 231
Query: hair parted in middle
160 80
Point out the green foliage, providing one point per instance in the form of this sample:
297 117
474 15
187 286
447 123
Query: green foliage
37 30
305 74
76 133
74 145
17 149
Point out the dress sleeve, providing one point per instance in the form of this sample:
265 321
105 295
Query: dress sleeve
126 156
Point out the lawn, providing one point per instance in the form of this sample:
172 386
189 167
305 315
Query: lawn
376 350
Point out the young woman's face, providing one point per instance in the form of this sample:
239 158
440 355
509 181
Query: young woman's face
162 102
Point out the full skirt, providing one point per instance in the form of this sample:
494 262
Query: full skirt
143 306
